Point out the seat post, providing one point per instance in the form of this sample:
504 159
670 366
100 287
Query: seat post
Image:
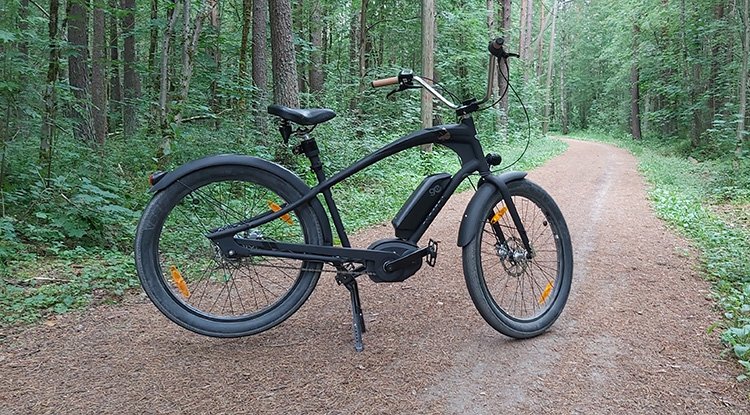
309 148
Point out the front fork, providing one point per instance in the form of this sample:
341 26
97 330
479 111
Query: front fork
503 188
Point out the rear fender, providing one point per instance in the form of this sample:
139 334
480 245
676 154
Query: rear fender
239 160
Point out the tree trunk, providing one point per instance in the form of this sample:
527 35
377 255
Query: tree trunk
153 70
298 30
98 74
492 30
362 42
742 135
166 48
540 41
284 64
635 92
503 75
190 36
428 64
78 70
242 74
260 62
50 93
316 55
353 59
115 85
132 86
215 53
23 26
563 101
550 60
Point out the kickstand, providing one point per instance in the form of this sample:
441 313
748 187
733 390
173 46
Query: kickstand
358 320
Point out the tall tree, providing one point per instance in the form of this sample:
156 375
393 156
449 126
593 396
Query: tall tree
98 73
742 135
242 73
131 84
191 32
115 84
550 61
153 71
428 59
316 41
50 92
214 17
166 49
362 40
284 64
503 75
78 68
635 91
260 62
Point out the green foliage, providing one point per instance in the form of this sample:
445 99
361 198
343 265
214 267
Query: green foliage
30 290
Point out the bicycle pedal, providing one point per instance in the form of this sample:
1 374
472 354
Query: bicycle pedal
432 246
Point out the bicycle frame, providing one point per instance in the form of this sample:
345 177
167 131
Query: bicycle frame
460 138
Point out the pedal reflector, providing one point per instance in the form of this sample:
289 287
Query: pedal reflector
286 217
498 215
179 281
545 293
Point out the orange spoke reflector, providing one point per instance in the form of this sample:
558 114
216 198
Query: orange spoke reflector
179 281
498 215
545 293
286 217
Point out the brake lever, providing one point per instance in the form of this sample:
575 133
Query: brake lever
405 82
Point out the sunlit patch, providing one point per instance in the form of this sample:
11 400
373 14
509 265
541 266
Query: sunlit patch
498 215
179 281
286 217
545 293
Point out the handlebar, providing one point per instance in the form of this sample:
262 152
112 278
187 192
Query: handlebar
406 79
385 82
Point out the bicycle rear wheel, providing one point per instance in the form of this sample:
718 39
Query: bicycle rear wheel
518 294
185 274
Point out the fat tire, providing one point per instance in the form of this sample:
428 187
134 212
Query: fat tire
157 286
477 277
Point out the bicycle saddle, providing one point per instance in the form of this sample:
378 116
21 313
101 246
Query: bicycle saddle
301 116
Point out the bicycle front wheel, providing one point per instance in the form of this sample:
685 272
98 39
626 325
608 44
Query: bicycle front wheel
185 274
520 293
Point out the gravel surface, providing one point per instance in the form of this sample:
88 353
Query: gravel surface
633 338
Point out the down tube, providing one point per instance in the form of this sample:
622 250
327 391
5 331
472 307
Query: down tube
456 180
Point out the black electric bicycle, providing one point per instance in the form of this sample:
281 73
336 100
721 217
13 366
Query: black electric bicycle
232 245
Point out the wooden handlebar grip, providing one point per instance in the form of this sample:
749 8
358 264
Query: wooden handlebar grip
385 82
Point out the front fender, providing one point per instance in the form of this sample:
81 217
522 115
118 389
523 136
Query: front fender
473 215
239 160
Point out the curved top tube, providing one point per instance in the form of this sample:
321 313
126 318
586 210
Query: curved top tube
460 138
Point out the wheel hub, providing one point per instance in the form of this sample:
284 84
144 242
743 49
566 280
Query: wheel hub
513 256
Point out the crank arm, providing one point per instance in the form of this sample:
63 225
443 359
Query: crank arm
413 258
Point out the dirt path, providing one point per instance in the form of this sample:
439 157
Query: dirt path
632 339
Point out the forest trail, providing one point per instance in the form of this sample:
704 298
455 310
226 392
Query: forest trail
631 340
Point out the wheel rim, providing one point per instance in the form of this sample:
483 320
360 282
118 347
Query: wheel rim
196 274
522 286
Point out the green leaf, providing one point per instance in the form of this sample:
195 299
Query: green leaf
6 36
741 350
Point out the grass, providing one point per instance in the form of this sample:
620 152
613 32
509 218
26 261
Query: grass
692 196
